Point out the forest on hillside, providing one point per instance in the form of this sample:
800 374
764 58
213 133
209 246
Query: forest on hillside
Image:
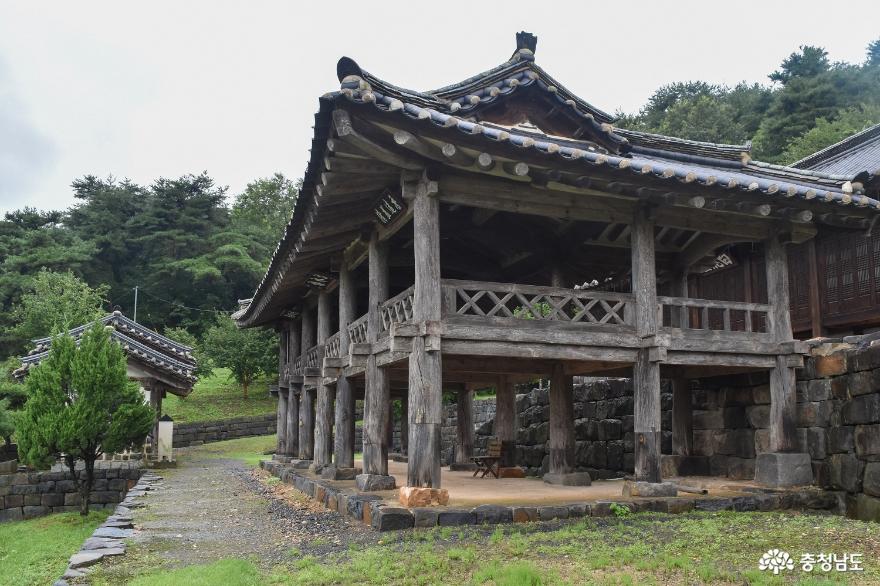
193 251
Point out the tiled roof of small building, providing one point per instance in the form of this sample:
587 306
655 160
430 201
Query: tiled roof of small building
139 344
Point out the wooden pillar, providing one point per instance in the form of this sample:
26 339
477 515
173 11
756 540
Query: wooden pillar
306 397
389 428
293 341
505 419
783 400
646 371
344 413
156 394
425 368
815 301
377 393
682 410
404 425
561 448
324 392
464 430
281 427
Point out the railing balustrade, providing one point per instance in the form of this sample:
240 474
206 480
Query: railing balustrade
331 348
398 309
511 300
705 314
297 368
313 357
357 330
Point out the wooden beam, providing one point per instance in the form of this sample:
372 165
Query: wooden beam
344 127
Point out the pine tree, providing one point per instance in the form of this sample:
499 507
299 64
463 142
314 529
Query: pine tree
80 406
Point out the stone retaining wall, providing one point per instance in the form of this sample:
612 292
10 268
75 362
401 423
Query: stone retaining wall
196 434
31 494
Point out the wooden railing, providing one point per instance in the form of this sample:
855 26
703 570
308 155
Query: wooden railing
312 358
331 348
357 330
511 300
398 309
705 314
297 368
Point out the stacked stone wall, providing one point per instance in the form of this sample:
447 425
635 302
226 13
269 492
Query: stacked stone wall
25 495
196 434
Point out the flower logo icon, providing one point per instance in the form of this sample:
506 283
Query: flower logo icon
776 560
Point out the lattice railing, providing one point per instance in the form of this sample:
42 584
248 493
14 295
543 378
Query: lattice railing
705 314
510 300
297 368
357 330
312 357
331 348
398 309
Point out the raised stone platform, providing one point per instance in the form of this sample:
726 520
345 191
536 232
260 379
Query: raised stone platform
474 501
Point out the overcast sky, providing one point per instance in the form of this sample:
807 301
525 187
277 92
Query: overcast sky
151 89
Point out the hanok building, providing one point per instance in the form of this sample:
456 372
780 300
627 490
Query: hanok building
502 229
835 276
159 364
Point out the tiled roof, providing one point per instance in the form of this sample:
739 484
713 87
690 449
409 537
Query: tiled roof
138 342
456 108
856 155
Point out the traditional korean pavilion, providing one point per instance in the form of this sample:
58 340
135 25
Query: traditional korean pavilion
159 364
502 229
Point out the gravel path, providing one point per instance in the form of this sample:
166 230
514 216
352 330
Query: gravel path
209 508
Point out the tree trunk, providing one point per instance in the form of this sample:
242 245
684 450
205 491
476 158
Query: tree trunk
244 386
83 485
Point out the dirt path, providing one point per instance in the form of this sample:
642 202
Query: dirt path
210 508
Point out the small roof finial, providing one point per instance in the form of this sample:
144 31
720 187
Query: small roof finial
526 40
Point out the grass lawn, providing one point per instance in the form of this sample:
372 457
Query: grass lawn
36 551
220 397
645 548
247 449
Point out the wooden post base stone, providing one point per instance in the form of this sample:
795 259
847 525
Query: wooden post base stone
374 482
301 464
333 472
569 479
642 488
783 469
282 459
417 496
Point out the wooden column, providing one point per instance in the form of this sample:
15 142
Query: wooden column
783 400
815 302
425 368
404 425
505 419
344 413
376 396
646 371
324 392
464 430
281 427
156 394
306 397
561 447
682 410
294 336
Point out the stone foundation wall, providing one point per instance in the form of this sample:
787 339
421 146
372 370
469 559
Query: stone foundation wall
603 410
31 494
196 434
